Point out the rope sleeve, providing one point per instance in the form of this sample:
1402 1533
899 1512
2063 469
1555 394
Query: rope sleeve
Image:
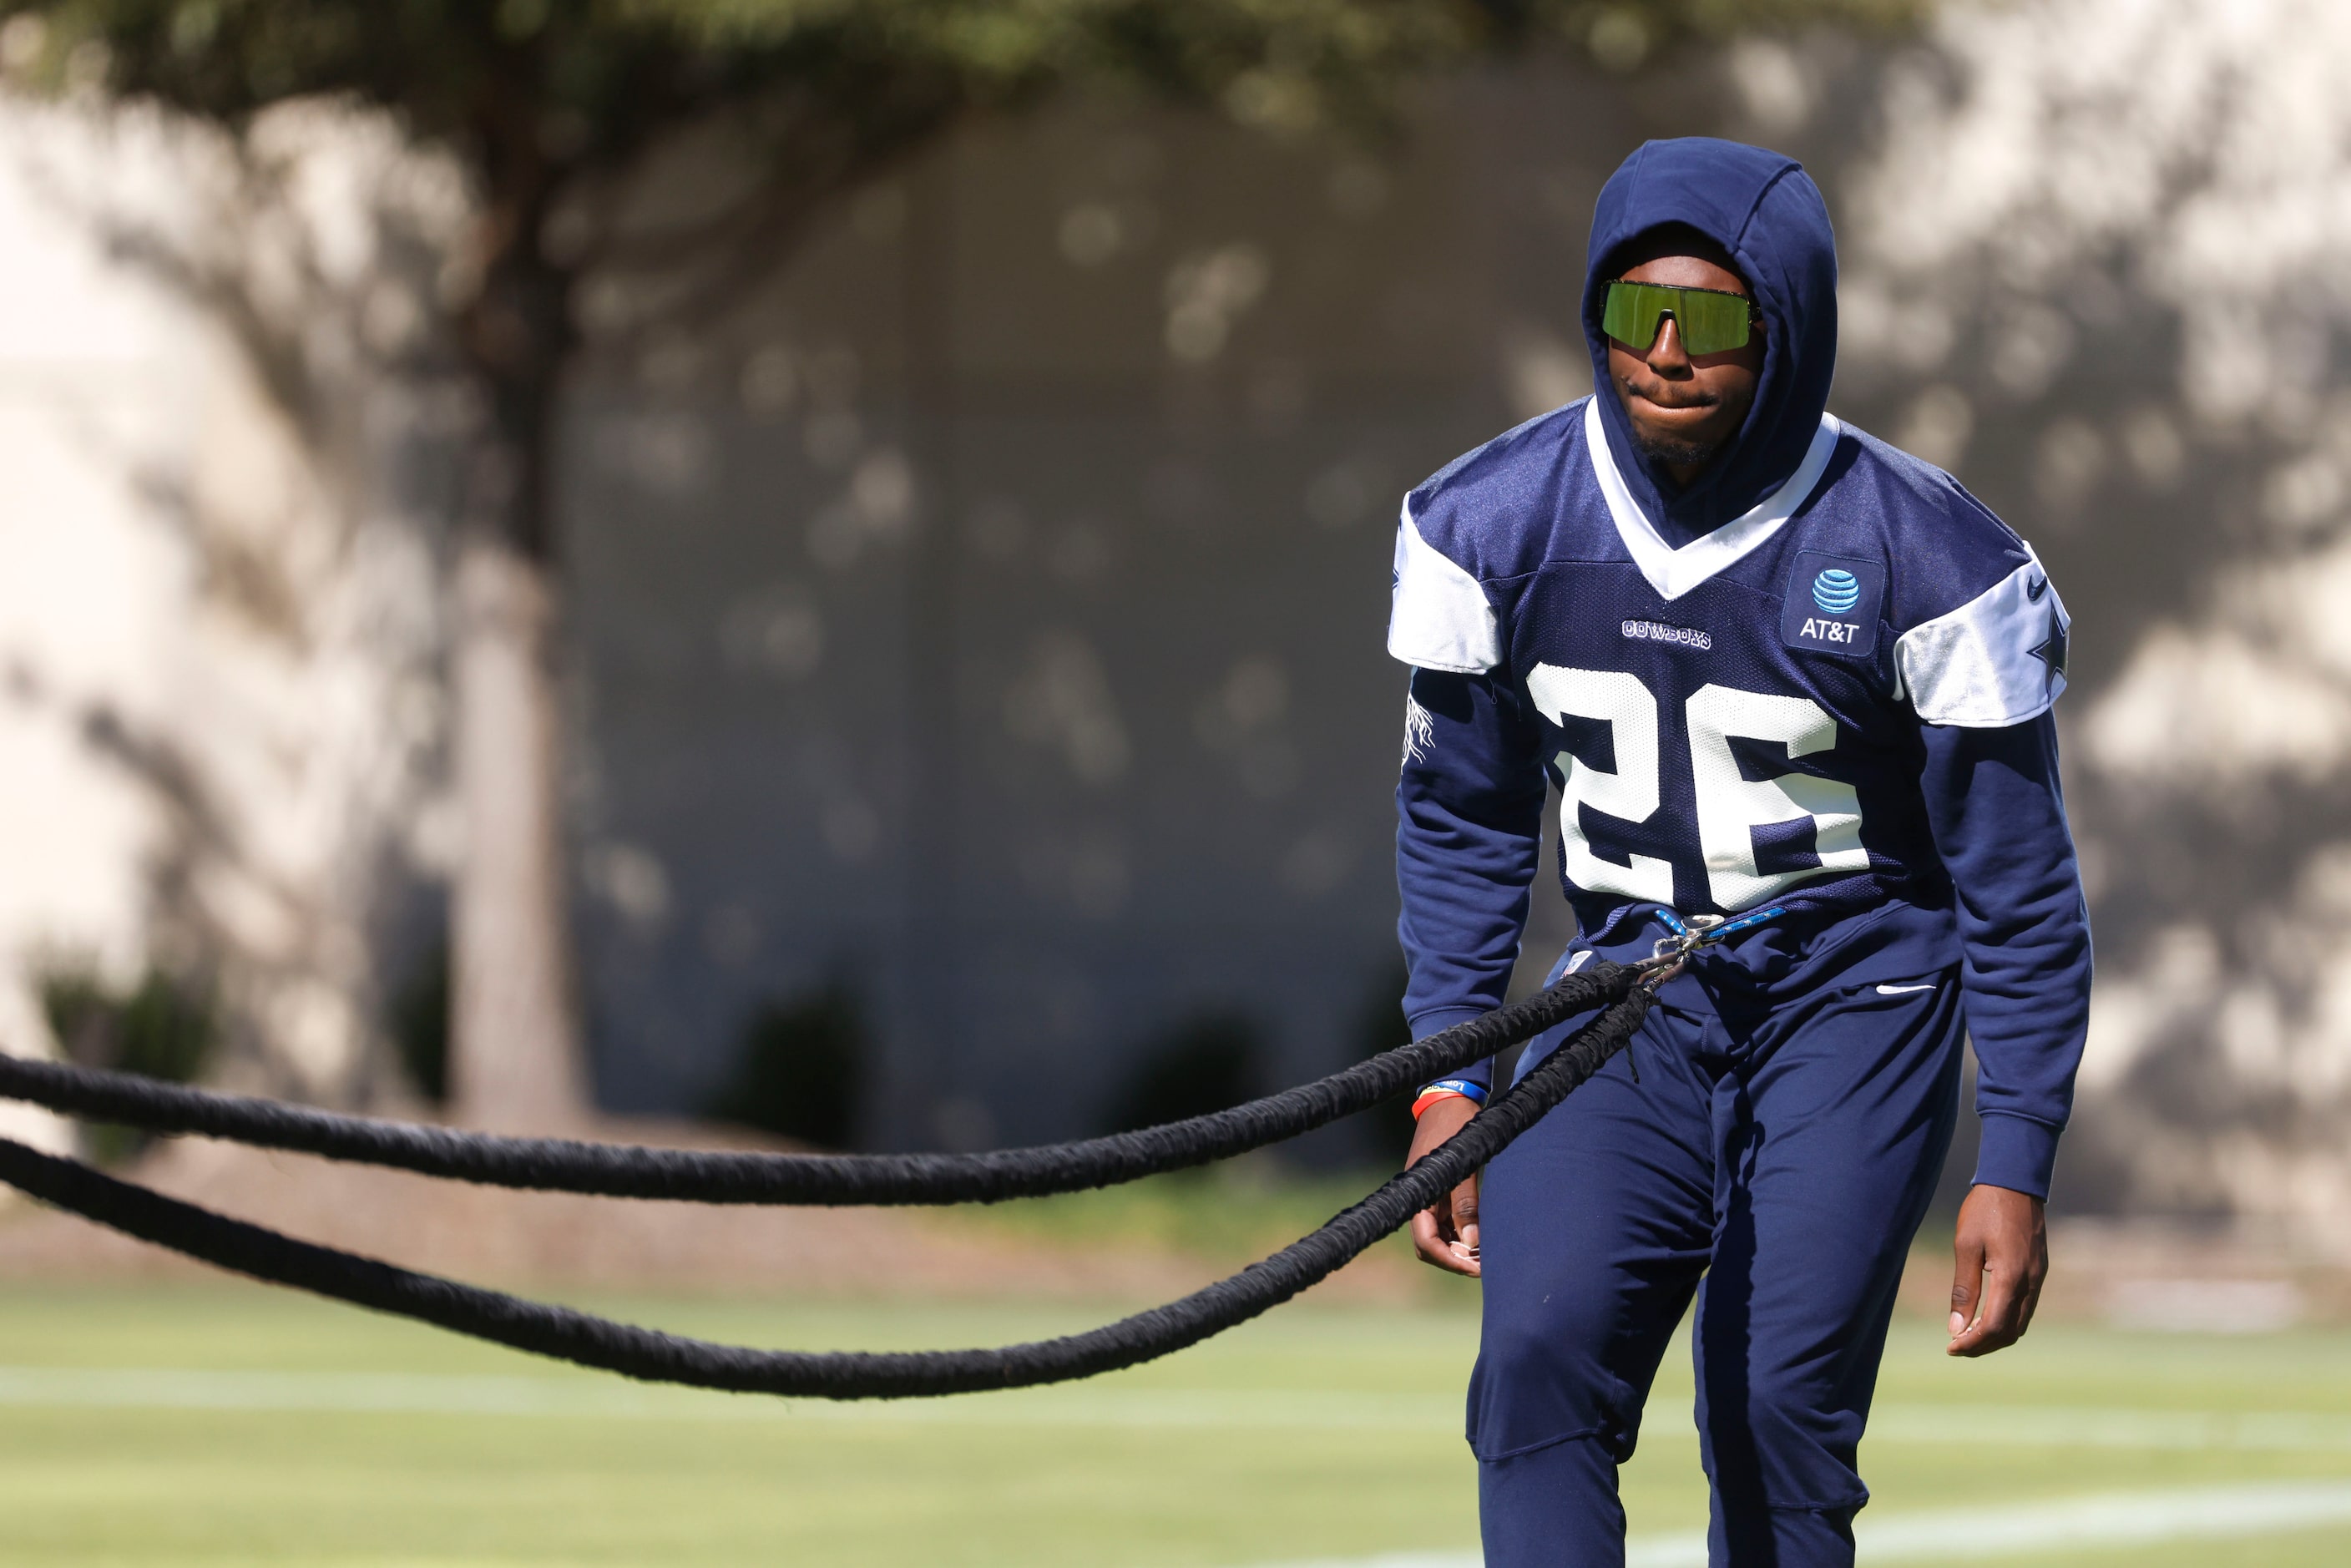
647 1354
618 1170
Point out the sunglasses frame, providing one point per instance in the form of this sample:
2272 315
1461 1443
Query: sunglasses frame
1755 316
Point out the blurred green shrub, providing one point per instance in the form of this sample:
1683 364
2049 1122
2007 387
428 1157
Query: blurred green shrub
1385 1130
162 1027
800 1067
1204 1064
417 1018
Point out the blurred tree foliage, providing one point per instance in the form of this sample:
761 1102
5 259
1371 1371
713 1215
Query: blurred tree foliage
551 106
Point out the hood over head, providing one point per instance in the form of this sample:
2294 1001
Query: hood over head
1765 211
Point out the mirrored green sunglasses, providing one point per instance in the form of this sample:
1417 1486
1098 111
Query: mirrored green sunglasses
1712 322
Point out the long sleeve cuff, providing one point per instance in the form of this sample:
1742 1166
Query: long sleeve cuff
2018 1153
1440 1018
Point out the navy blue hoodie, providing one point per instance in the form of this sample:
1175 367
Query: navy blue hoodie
1819 677
1778 236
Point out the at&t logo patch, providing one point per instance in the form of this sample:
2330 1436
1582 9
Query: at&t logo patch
1833 604
1835 591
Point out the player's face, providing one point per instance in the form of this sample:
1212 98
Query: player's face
1683 407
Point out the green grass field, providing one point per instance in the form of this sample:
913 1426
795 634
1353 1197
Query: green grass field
232 1425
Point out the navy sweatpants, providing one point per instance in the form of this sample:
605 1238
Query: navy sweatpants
1787 1157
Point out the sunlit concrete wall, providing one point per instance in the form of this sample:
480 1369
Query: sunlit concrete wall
218 624
2098 265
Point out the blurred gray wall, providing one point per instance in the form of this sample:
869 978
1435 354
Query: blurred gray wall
995 615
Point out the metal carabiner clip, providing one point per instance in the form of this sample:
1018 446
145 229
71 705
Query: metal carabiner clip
1670 955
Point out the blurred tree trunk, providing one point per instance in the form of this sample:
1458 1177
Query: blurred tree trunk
514 1048
514 1042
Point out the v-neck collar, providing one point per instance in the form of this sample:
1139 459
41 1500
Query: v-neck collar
1673 572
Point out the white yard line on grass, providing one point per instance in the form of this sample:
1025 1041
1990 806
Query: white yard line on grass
2068 1427
2108 1519
479 1394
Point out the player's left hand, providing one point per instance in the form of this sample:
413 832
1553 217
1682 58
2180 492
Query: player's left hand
2000 1256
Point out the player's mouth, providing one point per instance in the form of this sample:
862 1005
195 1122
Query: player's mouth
1694 400
1700 403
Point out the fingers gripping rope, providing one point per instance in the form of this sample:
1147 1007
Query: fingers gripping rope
647 1354
618 1170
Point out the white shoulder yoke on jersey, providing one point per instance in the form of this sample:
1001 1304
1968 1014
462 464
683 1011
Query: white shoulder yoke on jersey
1440 619
1673 572
1995 661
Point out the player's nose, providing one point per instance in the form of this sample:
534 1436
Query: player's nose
1666 350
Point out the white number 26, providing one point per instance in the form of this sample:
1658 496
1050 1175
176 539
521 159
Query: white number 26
1729 806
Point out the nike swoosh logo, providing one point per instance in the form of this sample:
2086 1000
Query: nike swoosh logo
1901 990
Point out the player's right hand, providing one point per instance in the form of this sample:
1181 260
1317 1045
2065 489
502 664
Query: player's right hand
1447 1235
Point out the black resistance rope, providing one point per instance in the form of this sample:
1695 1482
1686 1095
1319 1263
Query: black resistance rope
619 1170
650 1355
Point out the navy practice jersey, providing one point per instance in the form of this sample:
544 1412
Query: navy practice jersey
1748 720
1735 722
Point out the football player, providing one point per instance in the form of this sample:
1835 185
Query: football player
1789 679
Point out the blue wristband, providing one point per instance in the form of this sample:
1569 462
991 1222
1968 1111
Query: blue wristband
1462 1086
